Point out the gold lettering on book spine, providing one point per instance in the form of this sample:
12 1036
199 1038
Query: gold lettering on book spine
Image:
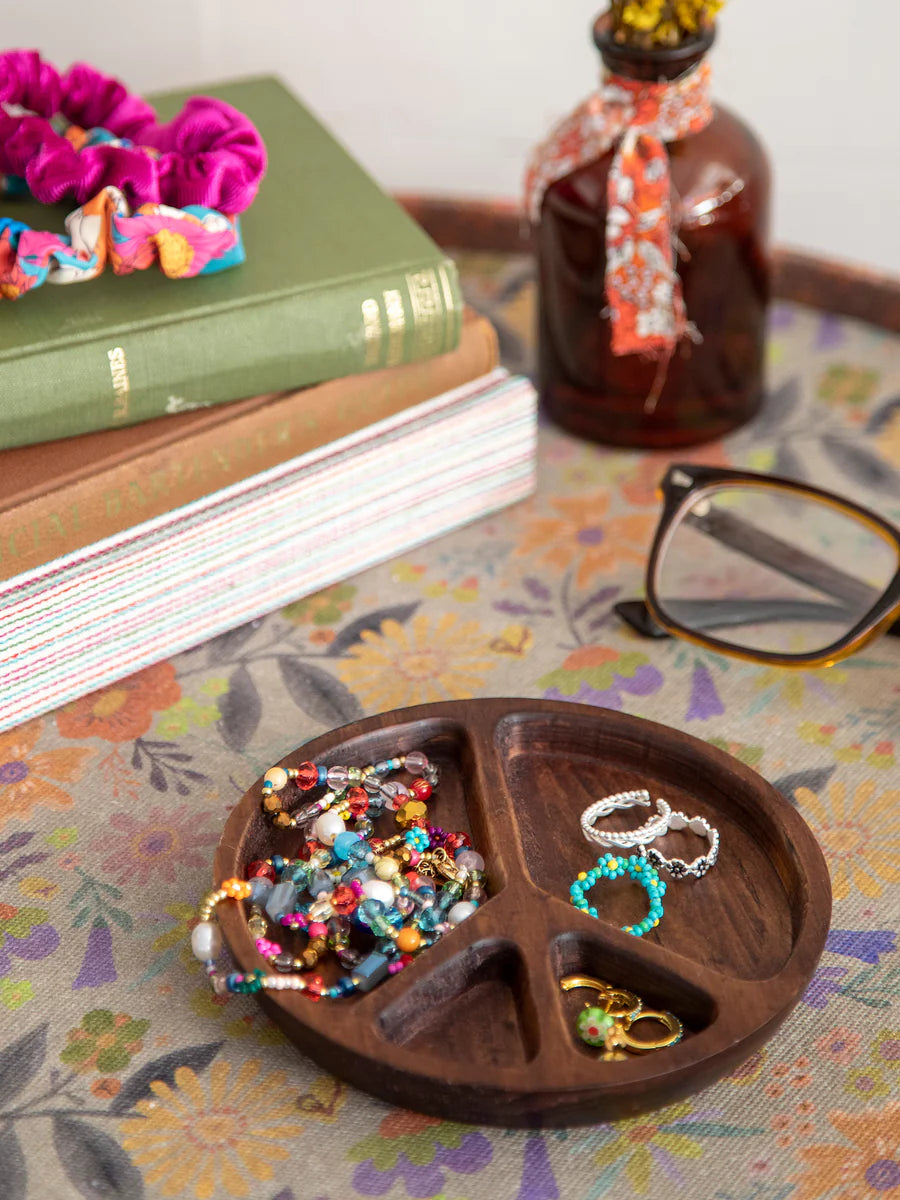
396 318
371 315
449 306
118 369
429 335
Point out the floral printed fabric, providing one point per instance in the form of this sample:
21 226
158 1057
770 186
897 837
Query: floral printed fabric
119 1065
646 308
185 242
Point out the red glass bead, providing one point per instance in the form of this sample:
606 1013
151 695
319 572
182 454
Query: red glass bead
406 959
343 900
359 801
261 868
456 841
307 776
420 788
315 986
310 847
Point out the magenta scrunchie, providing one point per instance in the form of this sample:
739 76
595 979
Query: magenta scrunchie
210 154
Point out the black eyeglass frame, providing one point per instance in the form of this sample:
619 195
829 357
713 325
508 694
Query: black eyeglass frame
681 486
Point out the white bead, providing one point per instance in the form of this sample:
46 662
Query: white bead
460 911
328 826
206 941
277 776
377 889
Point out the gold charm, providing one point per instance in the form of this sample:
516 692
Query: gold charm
608 1021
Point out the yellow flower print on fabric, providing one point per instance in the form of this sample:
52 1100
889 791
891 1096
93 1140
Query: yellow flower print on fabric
418 662
859 834
792 686
213 1138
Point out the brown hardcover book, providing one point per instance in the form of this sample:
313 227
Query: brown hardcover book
60 496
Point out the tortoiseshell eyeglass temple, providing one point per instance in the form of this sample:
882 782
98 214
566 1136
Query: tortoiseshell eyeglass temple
767 569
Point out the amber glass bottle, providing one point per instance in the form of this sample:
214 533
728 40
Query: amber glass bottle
720 206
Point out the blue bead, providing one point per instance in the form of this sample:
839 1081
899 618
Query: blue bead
344 843
371 971
320 882
363 874
259 889
231 982
323 776
359 849
277 864
429 919
371 911
282 899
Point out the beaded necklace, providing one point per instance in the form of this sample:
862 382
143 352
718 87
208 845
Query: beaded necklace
373 903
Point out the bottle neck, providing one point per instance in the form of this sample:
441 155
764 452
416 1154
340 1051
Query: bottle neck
661 65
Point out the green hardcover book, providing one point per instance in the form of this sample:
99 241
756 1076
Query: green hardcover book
338 280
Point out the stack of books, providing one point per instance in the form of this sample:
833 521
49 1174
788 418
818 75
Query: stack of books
145 507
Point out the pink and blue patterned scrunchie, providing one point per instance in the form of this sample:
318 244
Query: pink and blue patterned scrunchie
116 170
105 231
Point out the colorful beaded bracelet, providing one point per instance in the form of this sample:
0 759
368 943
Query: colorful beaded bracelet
611 867
185 243
359 787
399 894
210 154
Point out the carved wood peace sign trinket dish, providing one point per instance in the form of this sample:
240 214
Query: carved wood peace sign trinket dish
477 1027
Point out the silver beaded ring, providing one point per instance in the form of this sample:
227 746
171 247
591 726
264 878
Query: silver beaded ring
677 867
653 827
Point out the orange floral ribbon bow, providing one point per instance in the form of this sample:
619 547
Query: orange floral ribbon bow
646 307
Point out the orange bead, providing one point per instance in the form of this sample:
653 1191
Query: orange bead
409 940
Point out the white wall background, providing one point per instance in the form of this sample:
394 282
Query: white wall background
448 97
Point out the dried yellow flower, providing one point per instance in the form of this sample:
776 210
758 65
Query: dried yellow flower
661 22
643 15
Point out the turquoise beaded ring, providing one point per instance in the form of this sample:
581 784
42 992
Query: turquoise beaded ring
612 866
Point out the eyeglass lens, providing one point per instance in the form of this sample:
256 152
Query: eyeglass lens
771 569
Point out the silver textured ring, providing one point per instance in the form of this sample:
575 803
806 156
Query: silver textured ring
653 827
677 867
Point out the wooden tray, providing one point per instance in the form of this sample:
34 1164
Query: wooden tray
477 1029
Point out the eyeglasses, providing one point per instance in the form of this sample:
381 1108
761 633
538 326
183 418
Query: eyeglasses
797 576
